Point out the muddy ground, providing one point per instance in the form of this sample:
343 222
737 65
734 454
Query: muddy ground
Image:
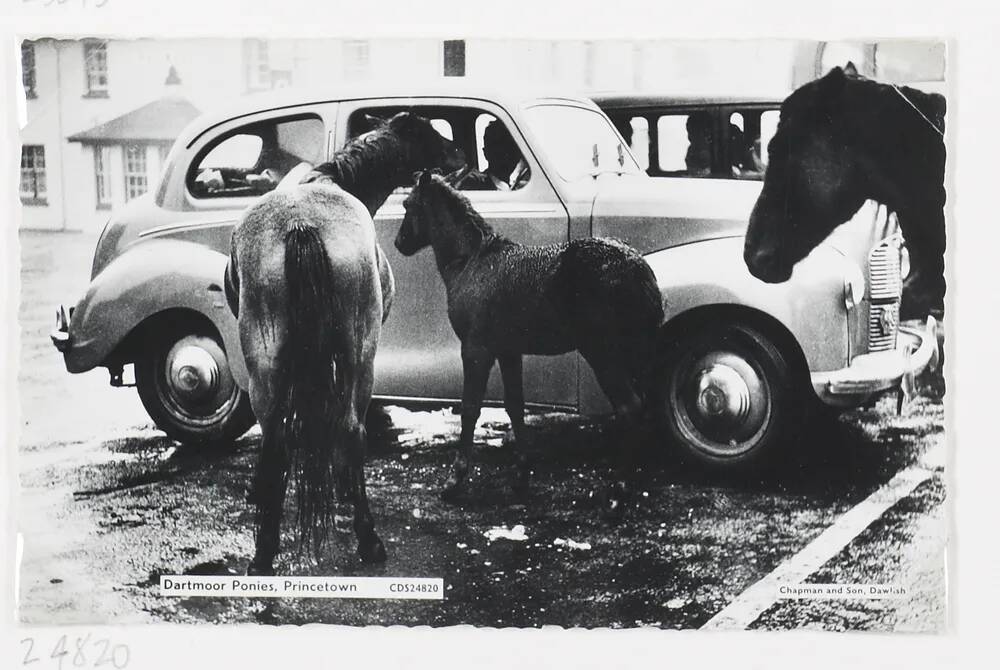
108 504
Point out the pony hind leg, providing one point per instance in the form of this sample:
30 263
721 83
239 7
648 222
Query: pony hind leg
370 547
358 379
511 372
616 380
477 362
270 485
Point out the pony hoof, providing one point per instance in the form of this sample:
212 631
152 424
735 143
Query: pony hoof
372 553
254 570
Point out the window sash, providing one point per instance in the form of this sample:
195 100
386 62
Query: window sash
102 157
95 57
136 181
28 68
33 185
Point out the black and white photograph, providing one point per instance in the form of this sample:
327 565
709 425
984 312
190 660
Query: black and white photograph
509 332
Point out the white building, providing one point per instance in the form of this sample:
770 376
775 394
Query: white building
101 114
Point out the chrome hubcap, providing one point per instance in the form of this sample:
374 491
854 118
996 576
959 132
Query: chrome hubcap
723 396
193 372
721 402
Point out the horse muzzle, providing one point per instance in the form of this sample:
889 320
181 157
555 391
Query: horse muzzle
405 245
766 266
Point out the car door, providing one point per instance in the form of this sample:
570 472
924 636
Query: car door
419 354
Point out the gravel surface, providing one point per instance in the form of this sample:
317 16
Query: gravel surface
108 504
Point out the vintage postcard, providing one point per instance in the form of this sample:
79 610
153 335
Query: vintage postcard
442 330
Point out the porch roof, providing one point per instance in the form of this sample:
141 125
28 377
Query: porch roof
159 121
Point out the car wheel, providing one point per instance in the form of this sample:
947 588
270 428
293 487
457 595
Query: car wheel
186 386
725 397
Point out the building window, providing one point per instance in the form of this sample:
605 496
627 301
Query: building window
28 69
258 65
102 167
454 58
95 63
356 59
33 188
135 171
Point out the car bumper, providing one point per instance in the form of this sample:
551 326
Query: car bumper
870 374
60 334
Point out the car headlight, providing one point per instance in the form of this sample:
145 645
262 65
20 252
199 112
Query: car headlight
854 287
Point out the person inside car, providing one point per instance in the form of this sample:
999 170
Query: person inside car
698 158
506 170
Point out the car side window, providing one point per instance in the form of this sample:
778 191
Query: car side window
768 127
253 159
635 131
686 144
500 166
749 131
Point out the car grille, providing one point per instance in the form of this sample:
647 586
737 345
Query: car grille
885 287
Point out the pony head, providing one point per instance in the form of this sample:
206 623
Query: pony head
424 147
419 214
437 215
813 181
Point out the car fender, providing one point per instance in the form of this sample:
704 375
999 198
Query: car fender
810 305
145 280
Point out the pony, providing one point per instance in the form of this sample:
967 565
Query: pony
843 139
595 296
310 288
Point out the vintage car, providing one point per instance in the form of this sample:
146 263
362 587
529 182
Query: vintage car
739 359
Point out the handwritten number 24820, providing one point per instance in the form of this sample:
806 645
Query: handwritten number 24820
83 653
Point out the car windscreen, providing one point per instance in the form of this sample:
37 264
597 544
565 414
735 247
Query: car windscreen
579 141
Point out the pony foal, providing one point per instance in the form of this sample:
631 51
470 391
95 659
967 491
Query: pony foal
596 296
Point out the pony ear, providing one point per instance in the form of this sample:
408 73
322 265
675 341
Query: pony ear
374 121
833 81
425 177
850 70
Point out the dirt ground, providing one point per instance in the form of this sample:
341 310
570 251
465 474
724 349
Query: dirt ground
108 504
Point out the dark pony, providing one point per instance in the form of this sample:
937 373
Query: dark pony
310 289
841 140
383 159
596 296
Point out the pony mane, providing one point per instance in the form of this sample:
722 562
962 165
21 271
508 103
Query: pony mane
814 96
366 163
461 208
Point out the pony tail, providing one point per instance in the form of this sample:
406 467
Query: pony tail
309 393
231 284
